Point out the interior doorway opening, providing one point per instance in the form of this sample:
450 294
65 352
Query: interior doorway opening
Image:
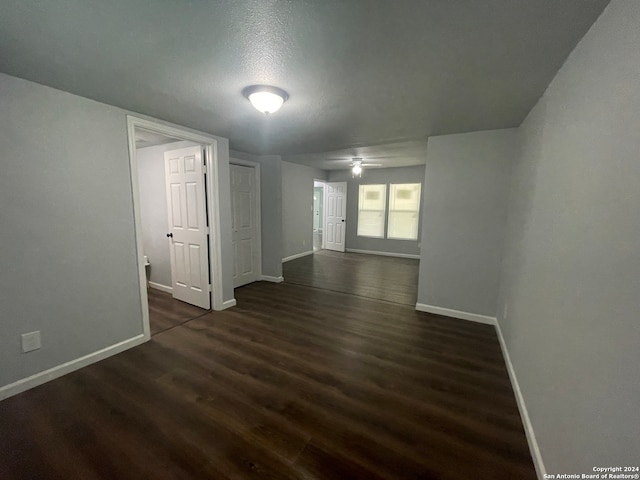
318 215
173 214
152 213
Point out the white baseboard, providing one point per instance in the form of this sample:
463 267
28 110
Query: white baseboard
524 414
161 287
472 317
384 254
267 278
297 255
68 367
228 304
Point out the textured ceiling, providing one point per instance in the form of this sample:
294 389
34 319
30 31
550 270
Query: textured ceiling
390 155
358 72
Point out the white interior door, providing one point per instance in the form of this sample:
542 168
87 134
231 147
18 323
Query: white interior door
187 221
335 215
245 230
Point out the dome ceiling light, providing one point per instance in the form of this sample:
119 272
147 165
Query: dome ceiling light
265 98
356 169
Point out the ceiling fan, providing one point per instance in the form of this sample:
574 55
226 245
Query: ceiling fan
356 164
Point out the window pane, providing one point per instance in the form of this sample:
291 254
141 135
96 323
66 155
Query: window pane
403 225
372 197
370 224
404 209
371 208
405 196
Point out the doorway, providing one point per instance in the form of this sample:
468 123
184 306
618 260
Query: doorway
318 215
207 203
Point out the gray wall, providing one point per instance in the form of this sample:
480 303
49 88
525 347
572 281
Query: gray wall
378 176
153 209
297 207
226 223
68 245
68 260
270 210
465 204
571 278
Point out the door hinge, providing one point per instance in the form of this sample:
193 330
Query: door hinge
204 169
210 288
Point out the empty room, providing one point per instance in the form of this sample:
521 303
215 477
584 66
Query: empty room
320 239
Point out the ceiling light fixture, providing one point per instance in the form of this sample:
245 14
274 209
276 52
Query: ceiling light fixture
265 98
356 171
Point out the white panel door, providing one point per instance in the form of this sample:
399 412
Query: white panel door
335 215
245 231
187 221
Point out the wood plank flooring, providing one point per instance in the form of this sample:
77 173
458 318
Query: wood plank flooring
165 312
385 278
293 383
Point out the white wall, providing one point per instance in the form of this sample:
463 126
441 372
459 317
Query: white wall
68 248
297 207
377 176
467 182
153 209
571 278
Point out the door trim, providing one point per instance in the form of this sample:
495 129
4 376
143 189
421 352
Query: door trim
212 188
258 205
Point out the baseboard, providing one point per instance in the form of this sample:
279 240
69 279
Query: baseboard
524 414
472 317
68 367
297 255
228 304
384 254
267 278
161 287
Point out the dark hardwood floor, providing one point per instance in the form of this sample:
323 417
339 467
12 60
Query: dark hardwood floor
165 312
293 383
384 278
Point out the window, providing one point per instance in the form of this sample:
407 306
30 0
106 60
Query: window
404 208
371 210
403 214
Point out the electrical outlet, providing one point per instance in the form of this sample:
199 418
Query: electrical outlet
304 243
31 341
505 310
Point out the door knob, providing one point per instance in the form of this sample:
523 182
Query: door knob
343 220
170 235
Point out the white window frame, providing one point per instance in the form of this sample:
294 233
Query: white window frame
416 212
386 213
383 211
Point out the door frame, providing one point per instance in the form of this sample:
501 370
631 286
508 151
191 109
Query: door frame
212 189
258 204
